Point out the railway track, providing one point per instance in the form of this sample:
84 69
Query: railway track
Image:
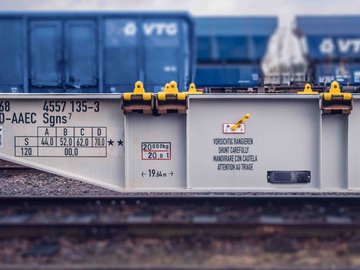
154 216
277 220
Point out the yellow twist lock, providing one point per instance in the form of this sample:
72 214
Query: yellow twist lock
162 95
336 92
138 90
241 121
307 90
172 89
192 90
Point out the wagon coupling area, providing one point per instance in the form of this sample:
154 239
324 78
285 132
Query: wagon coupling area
170 100
138 101
336 102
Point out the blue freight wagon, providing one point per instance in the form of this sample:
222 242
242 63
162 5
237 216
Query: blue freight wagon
230 50
94 52
332 47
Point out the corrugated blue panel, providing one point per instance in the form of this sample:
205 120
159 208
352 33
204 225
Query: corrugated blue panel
11 55
331 36
165 57
121 54
80 55
227 76
235 26
328 25
203 48
233 39
45 53
343 73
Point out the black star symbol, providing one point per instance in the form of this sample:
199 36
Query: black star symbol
111 142
120 142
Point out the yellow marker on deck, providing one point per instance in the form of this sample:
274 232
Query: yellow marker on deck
241 121
307 90
138 90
